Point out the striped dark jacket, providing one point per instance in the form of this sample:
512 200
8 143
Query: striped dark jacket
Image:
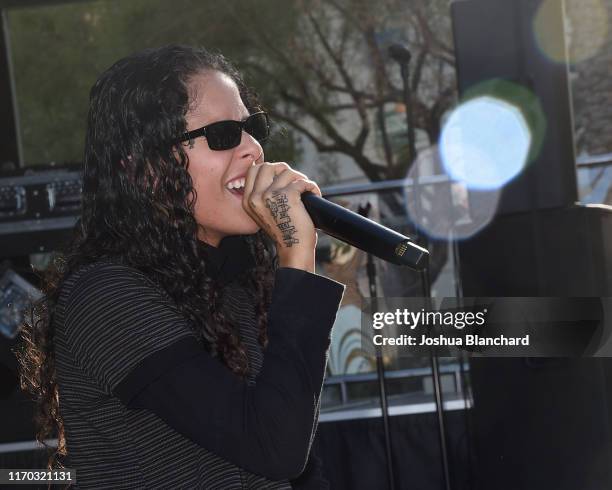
119 338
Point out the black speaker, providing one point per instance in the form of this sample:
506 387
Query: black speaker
542 423
548 252
538 423
496 40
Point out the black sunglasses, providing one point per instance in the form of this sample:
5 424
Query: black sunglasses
224 135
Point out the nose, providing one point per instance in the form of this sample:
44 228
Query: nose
249 148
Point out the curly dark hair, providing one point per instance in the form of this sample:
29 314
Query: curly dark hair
138 207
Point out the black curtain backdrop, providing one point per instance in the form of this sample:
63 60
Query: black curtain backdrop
353 452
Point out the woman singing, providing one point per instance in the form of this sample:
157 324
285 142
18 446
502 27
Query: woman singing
183 336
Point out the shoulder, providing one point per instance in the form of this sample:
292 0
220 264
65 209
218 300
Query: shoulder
108 280
108 267
114 317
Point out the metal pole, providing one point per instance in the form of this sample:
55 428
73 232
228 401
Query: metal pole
380 367
437 386
404 70
402 56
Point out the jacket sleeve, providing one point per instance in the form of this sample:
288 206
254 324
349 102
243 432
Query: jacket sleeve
266 428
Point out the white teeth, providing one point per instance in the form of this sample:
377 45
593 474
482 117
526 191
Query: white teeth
236 184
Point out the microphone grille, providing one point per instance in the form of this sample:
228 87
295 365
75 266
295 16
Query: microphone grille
401 248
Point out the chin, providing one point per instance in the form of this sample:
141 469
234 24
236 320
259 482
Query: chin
246 227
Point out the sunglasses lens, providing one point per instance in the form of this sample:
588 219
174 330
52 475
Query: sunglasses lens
257 126
223 135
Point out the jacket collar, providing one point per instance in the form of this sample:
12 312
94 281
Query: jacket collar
232 257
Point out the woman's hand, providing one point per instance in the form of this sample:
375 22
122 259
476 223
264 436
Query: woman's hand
272 199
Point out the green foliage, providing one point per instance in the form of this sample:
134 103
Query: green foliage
59 51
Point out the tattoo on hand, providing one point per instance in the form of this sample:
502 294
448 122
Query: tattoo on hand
280 212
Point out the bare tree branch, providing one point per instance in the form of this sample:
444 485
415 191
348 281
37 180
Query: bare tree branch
436 46
346 78
314 79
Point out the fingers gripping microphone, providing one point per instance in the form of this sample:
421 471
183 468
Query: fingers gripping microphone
364 233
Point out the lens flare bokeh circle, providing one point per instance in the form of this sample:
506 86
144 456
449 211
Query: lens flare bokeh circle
485 143
444 209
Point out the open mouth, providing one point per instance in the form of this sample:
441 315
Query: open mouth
237 192
236 186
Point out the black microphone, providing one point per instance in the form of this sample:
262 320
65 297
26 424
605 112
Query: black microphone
364 233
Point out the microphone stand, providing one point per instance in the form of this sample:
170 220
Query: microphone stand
380 366
402 56
437 388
